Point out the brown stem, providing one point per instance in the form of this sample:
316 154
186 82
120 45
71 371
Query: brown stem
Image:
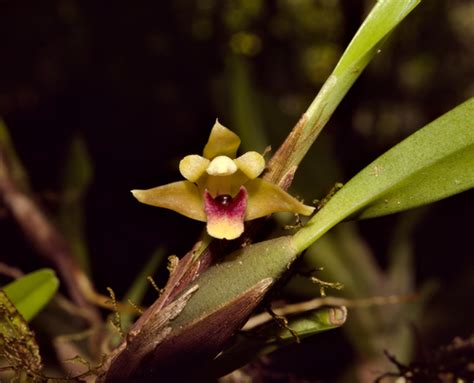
47 240
281 167
10 271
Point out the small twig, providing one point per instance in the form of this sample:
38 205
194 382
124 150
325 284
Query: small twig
104 302
10 271
317 303
154 285
323 285
116 321
137 309
283 323
320 203
296 225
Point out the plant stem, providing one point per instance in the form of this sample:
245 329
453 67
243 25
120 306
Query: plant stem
381 21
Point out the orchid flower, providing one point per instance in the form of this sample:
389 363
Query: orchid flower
222 190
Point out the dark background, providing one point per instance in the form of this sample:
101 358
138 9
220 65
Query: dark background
142 83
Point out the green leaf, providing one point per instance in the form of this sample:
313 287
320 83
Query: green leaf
381 21
32 292
272 336
237 273
433 163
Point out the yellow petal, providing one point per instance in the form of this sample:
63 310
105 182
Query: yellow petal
221 166
251 164
192 167
266 198
222 142
183 197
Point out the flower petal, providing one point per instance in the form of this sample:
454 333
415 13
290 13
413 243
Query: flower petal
251 164
221 166
266 198
192 167
222 141
183 197
225 215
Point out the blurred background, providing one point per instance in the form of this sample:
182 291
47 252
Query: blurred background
104 97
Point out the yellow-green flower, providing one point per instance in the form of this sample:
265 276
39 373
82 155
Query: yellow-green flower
222 190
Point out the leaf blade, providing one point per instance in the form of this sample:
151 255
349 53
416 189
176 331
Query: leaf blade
381 21
441 155
32 292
